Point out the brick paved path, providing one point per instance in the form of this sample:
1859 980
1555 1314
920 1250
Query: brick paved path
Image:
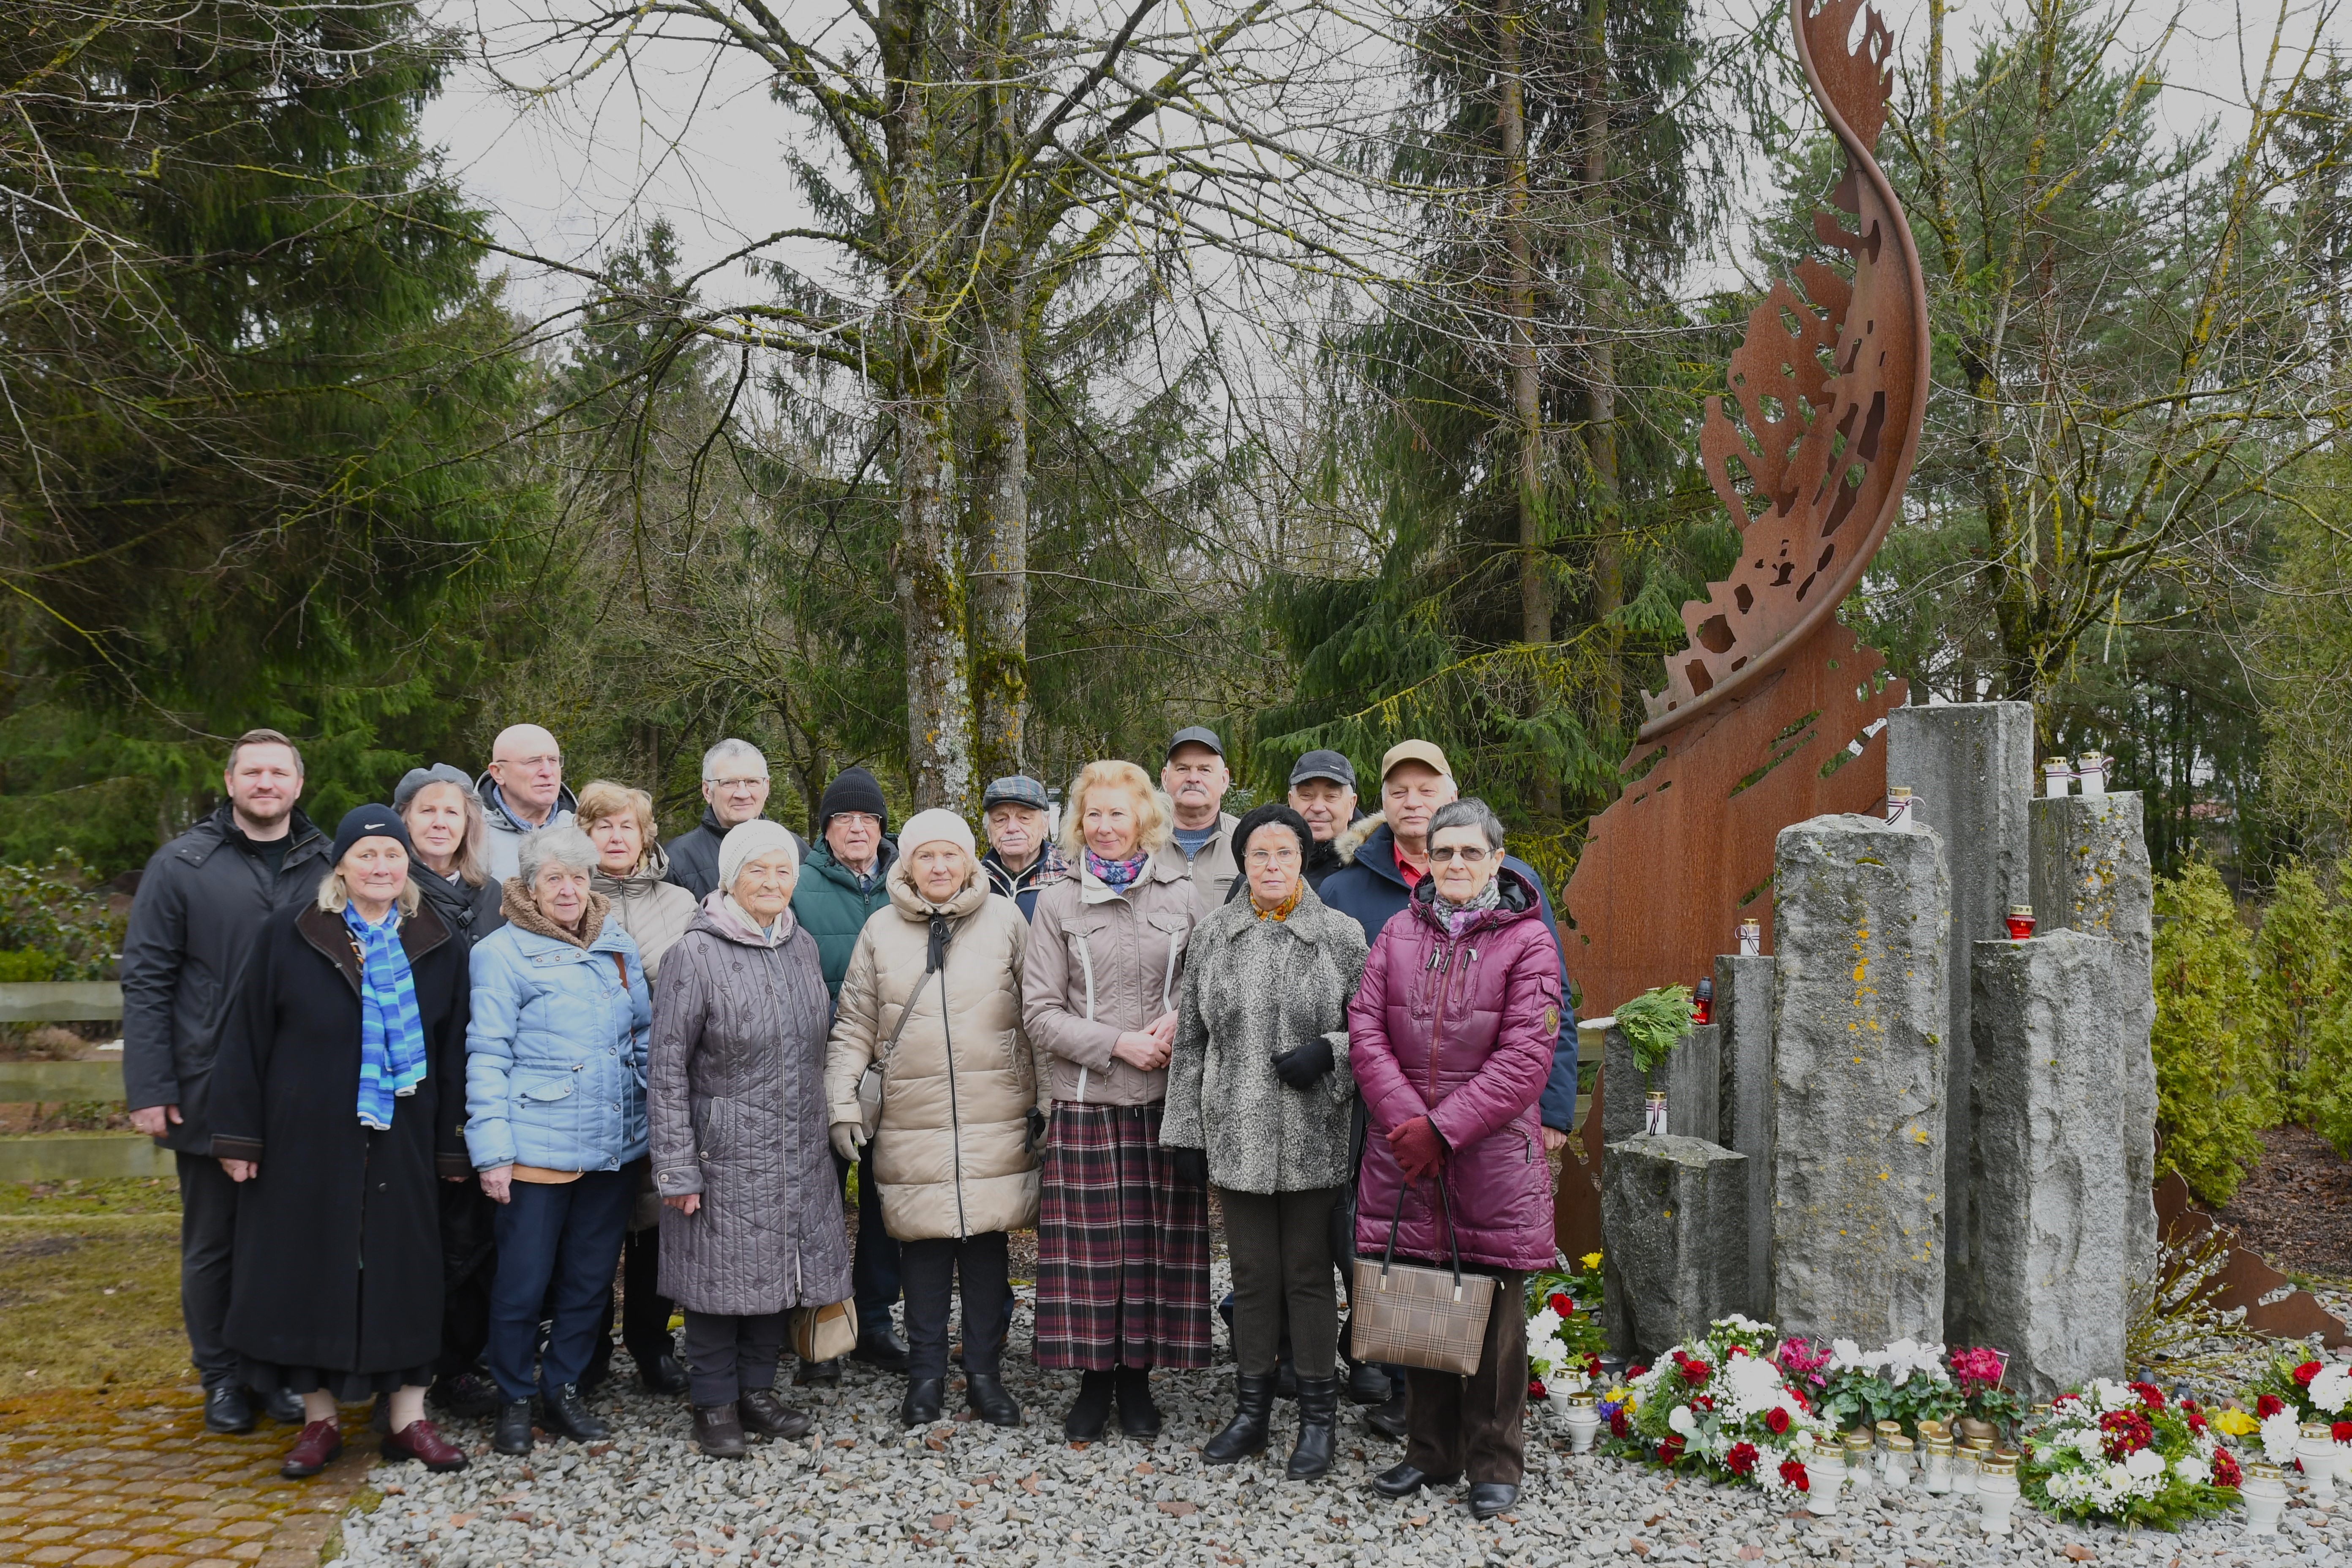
134 1479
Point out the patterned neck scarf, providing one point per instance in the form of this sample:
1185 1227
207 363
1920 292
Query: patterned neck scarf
1115 875
1280 911
1458 916
392 1032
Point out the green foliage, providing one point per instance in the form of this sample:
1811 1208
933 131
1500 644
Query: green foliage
2212 1077
54 926
1655 1023
2304 980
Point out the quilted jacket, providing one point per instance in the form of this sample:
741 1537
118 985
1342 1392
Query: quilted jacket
736 1090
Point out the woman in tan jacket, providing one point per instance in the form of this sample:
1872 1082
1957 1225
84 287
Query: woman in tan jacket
933 993
1122 1241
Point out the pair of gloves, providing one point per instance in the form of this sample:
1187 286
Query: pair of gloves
1300 1066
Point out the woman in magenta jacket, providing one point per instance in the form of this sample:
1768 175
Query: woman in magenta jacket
1450 1038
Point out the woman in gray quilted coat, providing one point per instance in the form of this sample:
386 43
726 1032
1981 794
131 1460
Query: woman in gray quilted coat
751 1223
1258 1101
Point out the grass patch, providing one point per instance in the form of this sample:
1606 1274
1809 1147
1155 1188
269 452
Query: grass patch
121 1195
91 1299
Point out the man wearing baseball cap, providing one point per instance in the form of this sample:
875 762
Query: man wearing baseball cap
1323 791
1201 842
1023 859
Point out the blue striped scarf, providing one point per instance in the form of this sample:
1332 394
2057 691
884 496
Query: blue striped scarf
391 1031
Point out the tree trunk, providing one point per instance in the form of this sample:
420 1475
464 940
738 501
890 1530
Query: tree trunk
1000 437
1600 360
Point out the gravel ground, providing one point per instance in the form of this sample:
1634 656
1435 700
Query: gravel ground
858 1489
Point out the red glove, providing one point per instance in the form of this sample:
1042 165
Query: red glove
1419 1150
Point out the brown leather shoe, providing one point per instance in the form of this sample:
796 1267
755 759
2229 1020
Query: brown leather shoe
770 1416
719 1432
320 1444
420 1442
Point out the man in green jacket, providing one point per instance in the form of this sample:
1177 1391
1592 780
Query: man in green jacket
842 883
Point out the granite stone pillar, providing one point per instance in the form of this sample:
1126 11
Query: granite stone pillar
1743 1016
1969 766
1673 1212
2047 1224
1861 923
2091 873
1691 1077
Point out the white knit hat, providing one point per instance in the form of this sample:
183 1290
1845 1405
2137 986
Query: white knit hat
933 825
747 841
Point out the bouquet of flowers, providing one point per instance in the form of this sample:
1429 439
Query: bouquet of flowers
1718 1404
1906 1382
2290 1391
1979 1372
2116 1451
1564 1336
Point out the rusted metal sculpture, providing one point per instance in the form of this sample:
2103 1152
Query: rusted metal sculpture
1773 714
2270 1303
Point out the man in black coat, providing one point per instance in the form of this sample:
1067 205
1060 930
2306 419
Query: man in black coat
200 906
734 791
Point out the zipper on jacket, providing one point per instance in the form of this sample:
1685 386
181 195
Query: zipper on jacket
955 1116
1442 962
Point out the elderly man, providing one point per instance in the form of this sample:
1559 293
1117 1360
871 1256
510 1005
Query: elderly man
1383 860
734 790
522 791
1201 842
1023 859
199 909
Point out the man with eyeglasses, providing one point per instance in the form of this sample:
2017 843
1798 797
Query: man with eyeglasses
522 791
734 791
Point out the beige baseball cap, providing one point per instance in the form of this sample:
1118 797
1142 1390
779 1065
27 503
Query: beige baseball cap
1424 752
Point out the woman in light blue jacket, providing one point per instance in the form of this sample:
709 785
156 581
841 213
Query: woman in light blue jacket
555 1109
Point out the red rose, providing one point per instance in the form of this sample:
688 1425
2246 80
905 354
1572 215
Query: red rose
1534 1388
1636 1370
1741 1459
2268 1405
2341 1431
1671 1449
2305 1372
1776 1421
1562 1305
1703 1402
2225 1469
1792 1473
1617 1424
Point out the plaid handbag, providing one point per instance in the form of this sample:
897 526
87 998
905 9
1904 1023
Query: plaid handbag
1434 1319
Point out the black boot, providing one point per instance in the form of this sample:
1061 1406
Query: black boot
924 1397
1319 1410
1246 1432
1388 1420
1286 1376
1368 1385
1138 1416
1091 1413
568 1412
719 1431
988 1400
513 1434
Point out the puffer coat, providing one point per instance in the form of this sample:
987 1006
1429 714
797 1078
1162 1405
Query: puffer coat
736 1090
1254 989
1459 1028
651 909
1101 964
952 1155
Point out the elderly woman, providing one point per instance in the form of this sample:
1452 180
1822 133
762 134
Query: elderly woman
750 1227
555 1104
1450 1037
933 994
632 871
336 1100
1122 1240
1259 1099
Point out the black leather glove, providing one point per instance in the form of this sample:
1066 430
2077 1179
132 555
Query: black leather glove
1303 1067
1192 1166
1036 1135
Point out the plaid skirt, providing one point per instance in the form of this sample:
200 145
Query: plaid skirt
1122 1246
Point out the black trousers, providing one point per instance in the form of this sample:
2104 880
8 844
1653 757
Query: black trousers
1473 1426
1280 1244
207 1249
874 1266
469 1261
985 1261
726 1355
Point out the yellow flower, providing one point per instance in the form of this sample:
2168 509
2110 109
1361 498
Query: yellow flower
1592 1260
2235 1423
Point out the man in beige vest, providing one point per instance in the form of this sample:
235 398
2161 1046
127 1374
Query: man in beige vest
1202 842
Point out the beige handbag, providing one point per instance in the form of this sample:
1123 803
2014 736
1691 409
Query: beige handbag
824 1333
1403 1313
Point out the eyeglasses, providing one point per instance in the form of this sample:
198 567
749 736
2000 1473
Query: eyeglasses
1263 857
735 784
1469 855
864 819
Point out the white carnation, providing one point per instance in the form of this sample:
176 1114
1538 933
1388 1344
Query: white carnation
2143 1463
2331 1390
2190 1468
2279 1434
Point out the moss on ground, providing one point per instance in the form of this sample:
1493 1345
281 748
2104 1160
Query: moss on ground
91 1299
128 1194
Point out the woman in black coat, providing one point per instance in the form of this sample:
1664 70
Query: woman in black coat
339 1098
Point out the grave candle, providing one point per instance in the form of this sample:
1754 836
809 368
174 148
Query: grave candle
2056 774
1996 1492
2020 922
1751 938
1703 1002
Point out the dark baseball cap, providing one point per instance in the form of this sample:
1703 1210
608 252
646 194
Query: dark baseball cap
1323 765
1196 735
1015 789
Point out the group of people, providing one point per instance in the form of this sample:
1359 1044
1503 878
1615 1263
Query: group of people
433 1081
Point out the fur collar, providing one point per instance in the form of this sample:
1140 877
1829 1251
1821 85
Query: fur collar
1351 838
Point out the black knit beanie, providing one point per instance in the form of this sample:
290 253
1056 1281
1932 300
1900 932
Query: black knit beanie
1273 814
853 789
369 822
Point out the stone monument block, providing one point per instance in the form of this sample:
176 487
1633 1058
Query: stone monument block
2047 1224
1969 766
2091 873
1690 1075
1743 1018
1673 1212
1860 970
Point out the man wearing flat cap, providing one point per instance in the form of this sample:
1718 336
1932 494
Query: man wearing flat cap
1023 859
1201 842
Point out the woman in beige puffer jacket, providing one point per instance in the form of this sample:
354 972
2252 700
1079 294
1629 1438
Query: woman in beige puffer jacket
955 1154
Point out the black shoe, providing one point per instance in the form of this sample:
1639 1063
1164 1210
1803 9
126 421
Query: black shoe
466 1394
1488 1498
818 1372
882 1348
988 1400
761 1411
284 1407
1368 1385
228 1410
662 1374
1091 1413
513 1433
1404 1480
1246 1432
925 1395
569 1414
719 1432
1388 1419
1138 1416
1318 1413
